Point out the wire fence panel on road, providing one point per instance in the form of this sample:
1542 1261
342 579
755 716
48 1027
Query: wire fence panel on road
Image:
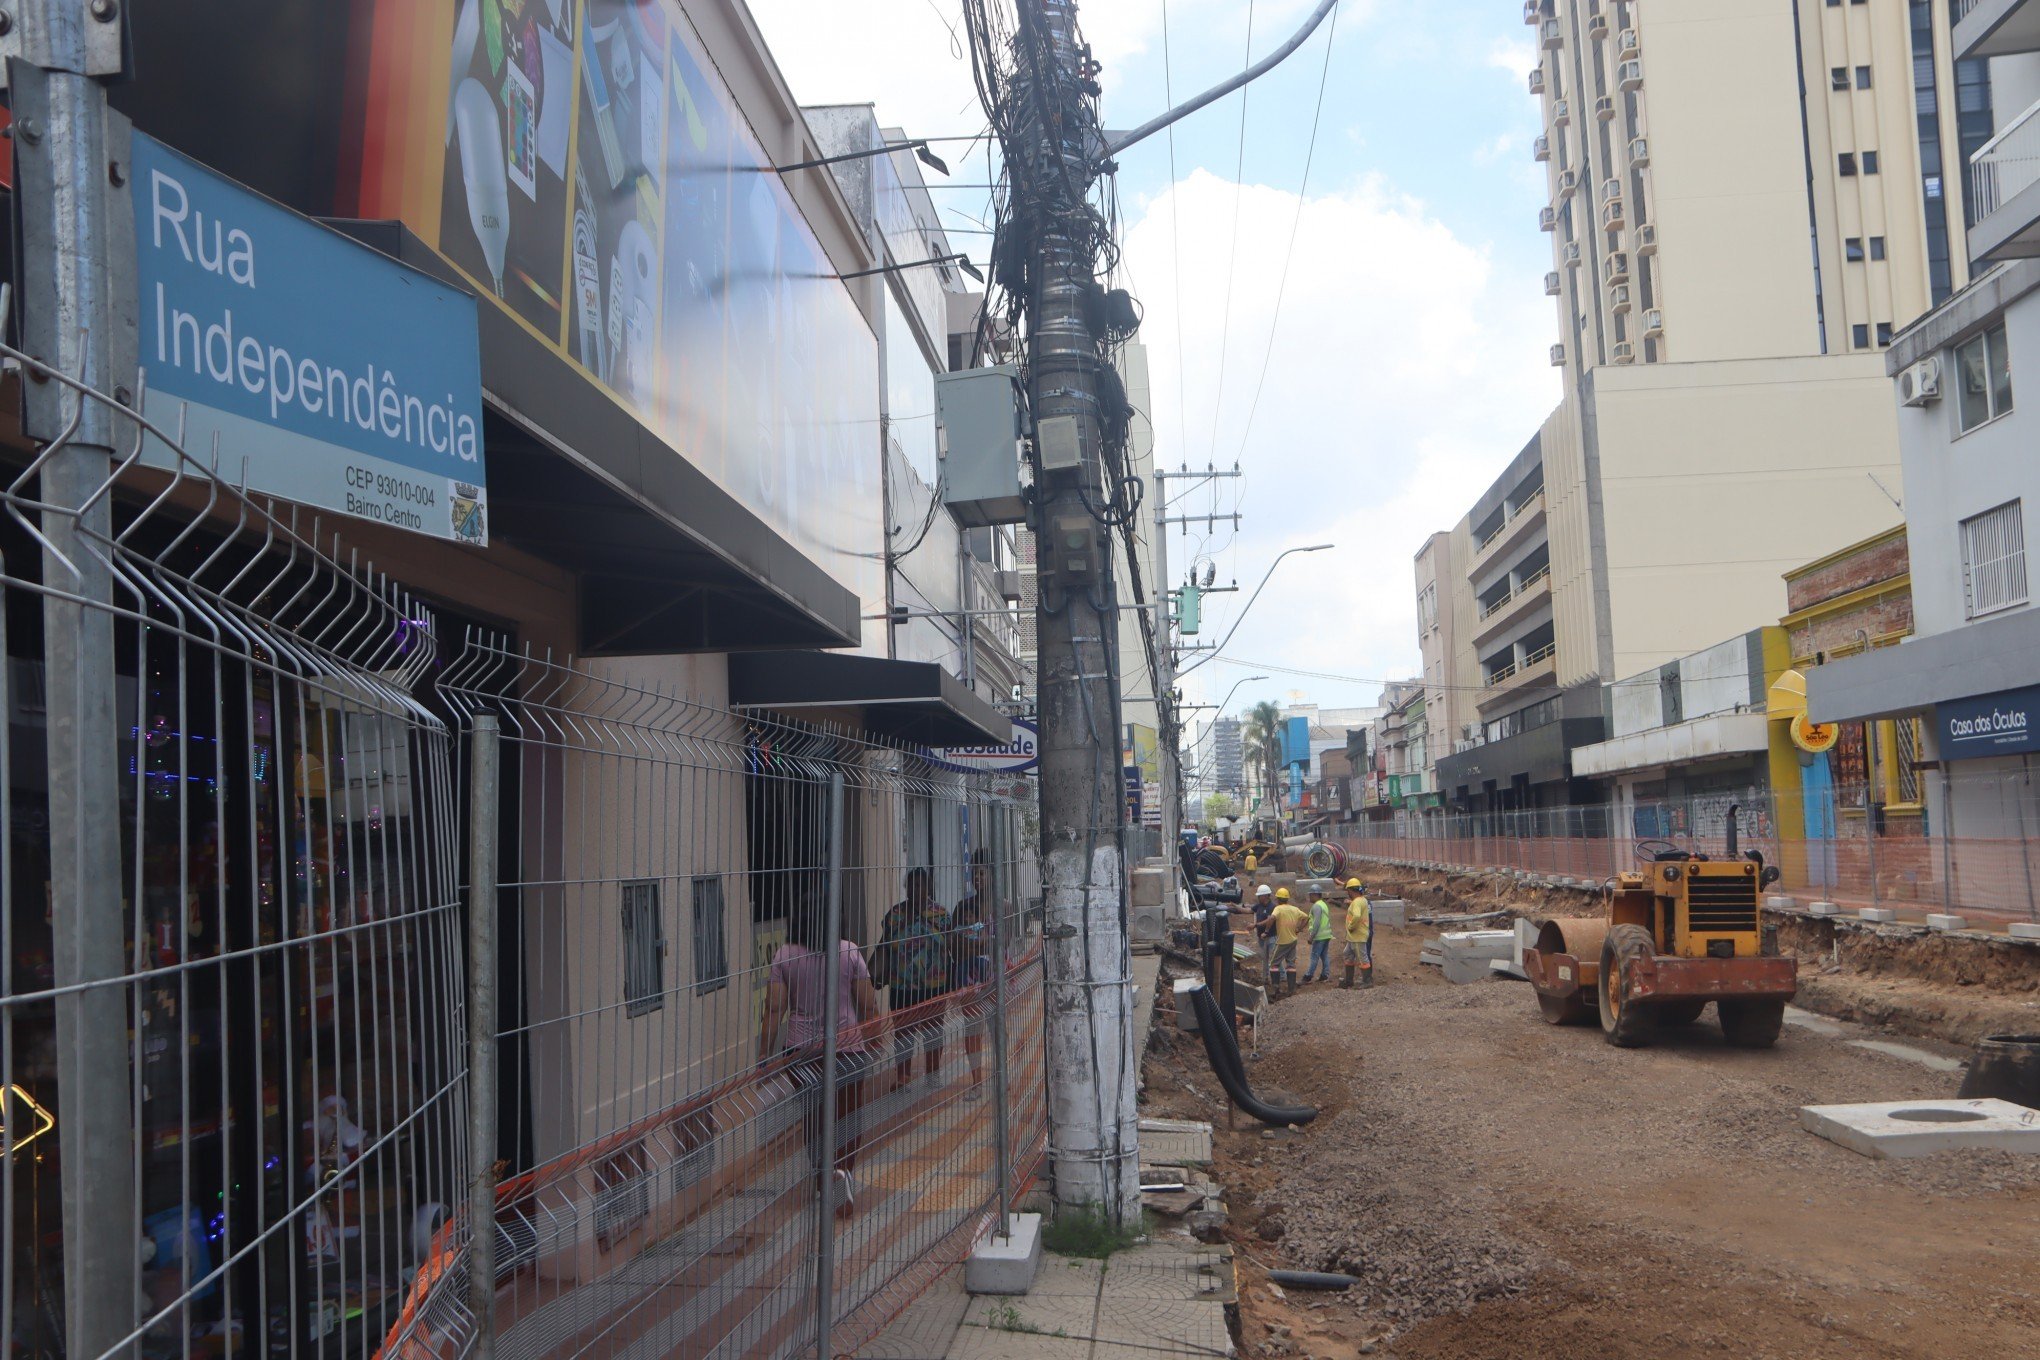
1846 849
669 874
229 1043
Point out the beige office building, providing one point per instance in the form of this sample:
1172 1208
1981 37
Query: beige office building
1748 199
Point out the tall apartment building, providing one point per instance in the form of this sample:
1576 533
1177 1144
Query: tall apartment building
1748 199
1228 771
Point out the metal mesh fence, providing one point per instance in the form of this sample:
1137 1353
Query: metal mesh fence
229 1027
1847 849
259 1093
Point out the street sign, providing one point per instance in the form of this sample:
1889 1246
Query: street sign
322 371
1018 755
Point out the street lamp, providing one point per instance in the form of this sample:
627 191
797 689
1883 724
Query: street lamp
1315 547
1220 705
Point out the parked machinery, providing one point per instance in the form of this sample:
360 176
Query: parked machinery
1684 930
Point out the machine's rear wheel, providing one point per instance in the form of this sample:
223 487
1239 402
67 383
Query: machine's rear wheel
1679 1012
1752 1024
1568 1010
1630 1024
1211 863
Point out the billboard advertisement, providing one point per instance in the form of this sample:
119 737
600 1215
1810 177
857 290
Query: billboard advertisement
584 165
323 372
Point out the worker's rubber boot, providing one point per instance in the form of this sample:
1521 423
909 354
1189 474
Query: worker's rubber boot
1346 980
1367 979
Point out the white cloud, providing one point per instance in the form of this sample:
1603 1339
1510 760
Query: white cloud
1517 57
1504 145
1404 375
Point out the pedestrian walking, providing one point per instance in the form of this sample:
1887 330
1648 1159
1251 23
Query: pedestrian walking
971 930
1287 921
796 999
1359 935
1320 969
913 960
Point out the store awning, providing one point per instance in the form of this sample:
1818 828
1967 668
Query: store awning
1718 736
1987 657
910 701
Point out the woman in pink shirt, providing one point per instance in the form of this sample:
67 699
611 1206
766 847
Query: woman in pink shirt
796 998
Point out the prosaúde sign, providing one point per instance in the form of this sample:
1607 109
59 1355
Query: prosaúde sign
2003 724
324 372
1018 755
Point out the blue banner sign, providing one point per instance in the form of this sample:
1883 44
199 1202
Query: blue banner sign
324 372
2003 724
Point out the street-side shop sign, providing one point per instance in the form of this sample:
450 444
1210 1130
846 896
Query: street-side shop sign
1020 754
324 372
2003 724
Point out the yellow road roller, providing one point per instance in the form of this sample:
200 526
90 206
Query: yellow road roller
1682 931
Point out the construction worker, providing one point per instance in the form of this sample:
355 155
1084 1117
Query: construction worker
1287 921
1359 935
1320 969
1264 905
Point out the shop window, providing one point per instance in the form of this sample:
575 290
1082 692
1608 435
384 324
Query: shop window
711 947
644 949
1994 559
1984 369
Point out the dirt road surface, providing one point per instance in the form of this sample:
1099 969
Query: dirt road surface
1506 1190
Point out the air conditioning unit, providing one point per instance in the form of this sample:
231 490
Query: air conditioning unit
1547 219
1558 356
1618 297
1597 26
1612 217
1639 152
1571 254
1920 385
1618 267
1646 238
1629 75
1540 148
1629 43
1561 112
1537 80
1604 108
1653 324
1554 36
1568 180
1532 11
1551 284
1622 352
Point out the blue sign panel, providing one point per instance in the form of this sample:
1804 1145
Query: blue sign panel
322 371
2003 724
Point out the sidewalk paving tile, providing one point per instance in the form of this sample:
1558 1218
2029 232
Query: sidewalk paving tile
980 1343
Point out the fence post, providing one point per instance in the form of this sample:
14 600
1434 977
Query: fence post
1001 1132
483 795
71 162
1947 841
832 987
1870 820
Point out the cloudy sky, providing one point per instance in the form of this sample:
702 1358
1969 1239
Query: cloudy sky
1405 358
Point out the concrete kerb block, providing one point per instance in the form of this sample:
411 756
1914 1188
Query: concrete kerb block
1780 902
2024 930
1005 1263
1823 909
1879 915
1938 921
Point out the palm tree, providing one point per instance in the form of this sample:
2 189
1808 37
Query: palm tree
1262 738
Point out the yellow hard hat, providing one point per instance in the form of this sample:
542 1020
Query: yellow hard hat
1353 885
1282 894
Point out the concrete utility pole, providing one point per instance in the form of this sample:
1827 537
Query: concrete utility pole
1046 115
1167 713
1091 1077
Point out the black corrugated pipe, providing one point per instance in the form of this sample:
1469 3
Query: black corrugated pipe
1224 1054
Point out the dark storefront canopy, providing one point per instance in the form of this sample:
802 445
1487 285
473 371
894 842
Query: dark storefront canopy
910 701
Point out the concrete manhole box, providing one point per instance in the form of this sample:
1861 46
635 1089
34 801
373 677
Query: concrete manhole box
1919 1128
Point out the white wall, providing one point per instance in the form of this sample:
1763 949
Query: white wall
1950 476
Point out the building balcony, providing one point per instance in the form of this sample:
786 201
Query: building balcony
1551 283
1537 80
1540 148
1995 28
1515 531
2004 188
1538 669
1511 610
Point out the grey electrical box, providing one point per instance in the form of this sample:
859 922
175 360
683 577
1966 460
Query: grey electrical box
978 412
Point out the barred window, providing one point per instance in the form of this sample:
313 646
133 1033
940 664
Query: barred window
644 949
1994 559
711 949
